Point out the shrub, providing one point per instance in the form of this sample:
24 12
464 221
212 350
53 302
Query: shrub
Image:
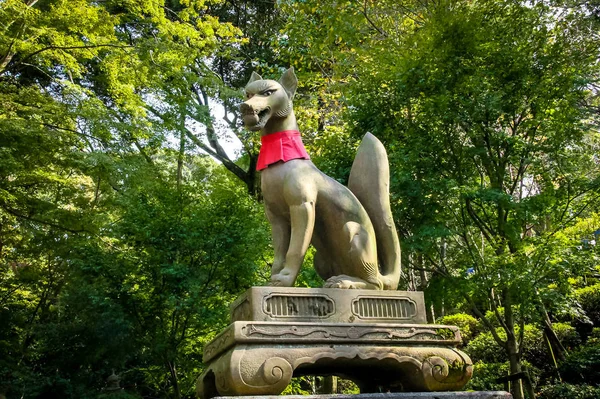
589 299
119 395
567 335
484 347
594 338
485 376
535 351
469 326
568 391
582 365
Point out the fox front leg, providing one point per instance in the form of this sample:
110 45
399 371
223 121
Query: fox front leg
280 230
302 218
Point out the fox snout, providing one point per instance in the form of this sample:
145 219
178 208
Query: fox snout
257 104
255 116
246 108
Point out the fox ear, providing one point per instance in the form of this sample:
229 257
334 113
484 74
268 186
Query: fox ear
289 82
254 77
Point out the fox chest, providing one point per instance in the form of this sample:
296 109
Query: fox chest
273 185
288 184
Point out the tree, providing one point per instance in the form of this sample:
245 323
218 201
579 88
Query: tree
480 105
79 82
178 255
143 296
491 112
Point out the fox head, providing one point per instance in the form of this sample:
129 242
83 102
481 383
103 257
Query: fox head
268 104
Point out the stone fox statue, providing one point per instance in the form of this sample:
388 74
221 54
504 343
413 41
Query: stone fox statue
350 227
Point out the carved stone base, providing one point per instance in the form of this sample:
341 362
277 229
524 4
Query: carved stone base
267 370
406 395
260 357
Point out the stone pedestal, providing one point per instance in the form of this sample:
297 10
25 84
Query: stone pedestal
378 339
395 395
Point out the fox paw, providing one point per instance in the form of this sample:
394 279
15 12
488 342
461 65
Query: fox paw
345 282
282 280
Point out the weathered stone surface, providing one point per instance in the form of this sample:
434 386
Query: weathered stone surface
329 305
378 339
362 335
277 333
398 395
247 369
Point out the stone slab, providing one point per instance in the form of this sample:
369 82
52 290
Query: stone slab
403 395
275 334
329 305
267 369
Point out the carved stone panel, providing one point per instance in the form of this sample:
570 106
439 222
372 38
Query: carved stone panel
329 305
298 306
268 332
375 308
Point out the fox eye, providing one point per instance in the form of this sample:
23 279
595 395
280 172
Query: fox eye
248 95
268 92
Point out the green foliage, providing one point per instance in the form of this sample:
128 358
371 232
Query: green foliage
485 376
469 326
569 391
484 348
332 150
567 335
310 385
116 251
118 395
491 317
589 299
595 336
299 386
347 387
582 366
495 176
308 276
121 245
144 295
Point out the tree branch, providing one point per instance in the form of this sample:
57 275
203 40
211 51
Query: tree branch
230 165
44 222
485 321
73 48
370 21
485 230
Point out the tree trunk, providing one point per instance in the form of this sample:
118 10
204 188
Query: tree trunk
424 283
515 367
174 379
512 346
558 350
180 157
412 280
329 384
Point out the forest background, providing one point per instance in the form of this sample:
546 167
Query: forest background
127 226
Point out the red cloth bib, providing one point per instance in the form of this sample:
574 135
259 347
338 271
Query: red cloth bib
281 146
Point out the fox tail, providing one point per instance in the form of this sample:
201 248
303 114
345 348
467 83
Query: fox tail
370 182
